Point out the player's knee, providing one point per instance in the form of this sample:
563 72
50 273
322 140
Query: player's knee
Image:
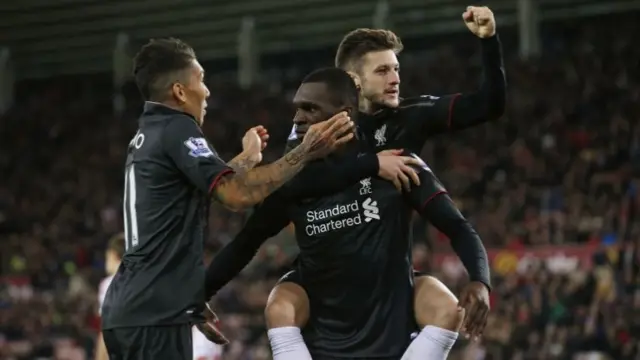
288 305
436 305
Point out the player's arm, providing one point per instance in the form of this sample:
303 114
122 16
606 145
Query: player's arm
430 115
324 177
267 220
192 154
243 162
433 204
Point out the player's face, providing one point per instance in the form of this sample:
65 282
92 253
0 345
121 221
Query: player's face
313 103
112 261
380 78
193 93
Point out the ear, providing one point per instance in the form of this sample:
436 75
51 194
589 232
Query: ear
179 93
355 77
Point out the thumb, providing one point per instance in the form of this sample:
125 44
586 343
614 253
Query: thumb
467 16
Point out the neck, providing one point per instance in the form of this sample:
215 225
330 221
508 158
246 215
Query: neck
169 103
367 106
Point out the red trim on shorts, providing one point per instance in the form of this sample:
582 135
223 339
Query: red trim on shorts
450 116
218 177
424 205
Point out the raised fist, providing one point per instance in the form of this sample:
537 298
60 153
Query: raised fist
480 21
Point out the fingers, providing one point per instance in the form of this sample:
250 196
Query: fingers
471 312
404 180
475 318
480 322
412 161
397 184
390 152
338 127
336 120
212 333
467 16
476 321
412 174
343 139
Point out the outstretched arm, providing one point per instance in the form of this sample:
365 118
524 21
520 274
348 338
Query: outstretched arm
267 220
328 176
185 144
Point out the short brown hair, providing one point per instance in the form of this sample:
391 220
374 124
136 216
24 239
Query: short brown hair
116 244
360 42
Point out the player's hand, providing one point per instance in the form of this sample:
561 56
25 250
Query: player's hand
475 302
254 141
327 136
210 327
396 169
480 21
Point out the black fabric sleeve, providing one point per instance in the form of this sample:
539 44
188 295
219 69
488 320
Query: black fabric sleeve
433 203
267 220
327 176
184 143
432 115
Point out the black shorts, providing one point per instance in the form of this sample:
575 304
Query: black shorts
149 342
384 333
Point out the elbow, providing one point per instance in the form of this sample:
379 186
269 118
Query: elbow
233 197
495 106
238 202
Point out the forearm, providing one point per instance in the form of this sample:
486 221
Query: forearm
465 241
230 261
243 163
488 103
241 191
268 219
323 178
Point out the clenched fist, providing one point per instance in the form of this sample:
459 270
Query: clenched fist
254 141
480 21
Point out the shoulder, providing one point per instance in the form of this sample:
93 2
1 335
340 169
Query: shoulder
179 124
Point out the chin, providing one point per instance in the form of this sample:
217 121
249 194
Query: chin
390 103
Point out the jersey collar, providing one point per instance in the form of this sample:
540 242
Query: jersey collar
152 108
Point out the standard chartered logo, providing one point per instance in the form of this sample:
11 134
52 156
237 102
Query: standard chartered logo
341 216
371 210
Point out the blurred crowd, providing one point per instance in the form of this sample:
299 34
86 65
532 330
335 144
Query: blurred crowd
558 173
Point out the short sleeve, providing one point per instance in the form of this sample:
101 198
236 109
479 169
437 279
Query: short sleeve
192 154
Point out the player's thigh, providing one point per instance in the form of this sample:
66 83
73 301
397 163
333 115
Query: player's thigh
150 342
435 304
288 303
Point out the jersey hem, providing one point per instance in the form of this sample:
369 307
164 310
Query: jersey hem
147 325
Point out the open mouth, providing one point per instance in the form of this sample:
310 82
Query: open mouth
393 92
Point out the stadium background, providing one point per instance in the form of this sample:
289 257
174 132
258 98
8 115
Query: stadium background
552 187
